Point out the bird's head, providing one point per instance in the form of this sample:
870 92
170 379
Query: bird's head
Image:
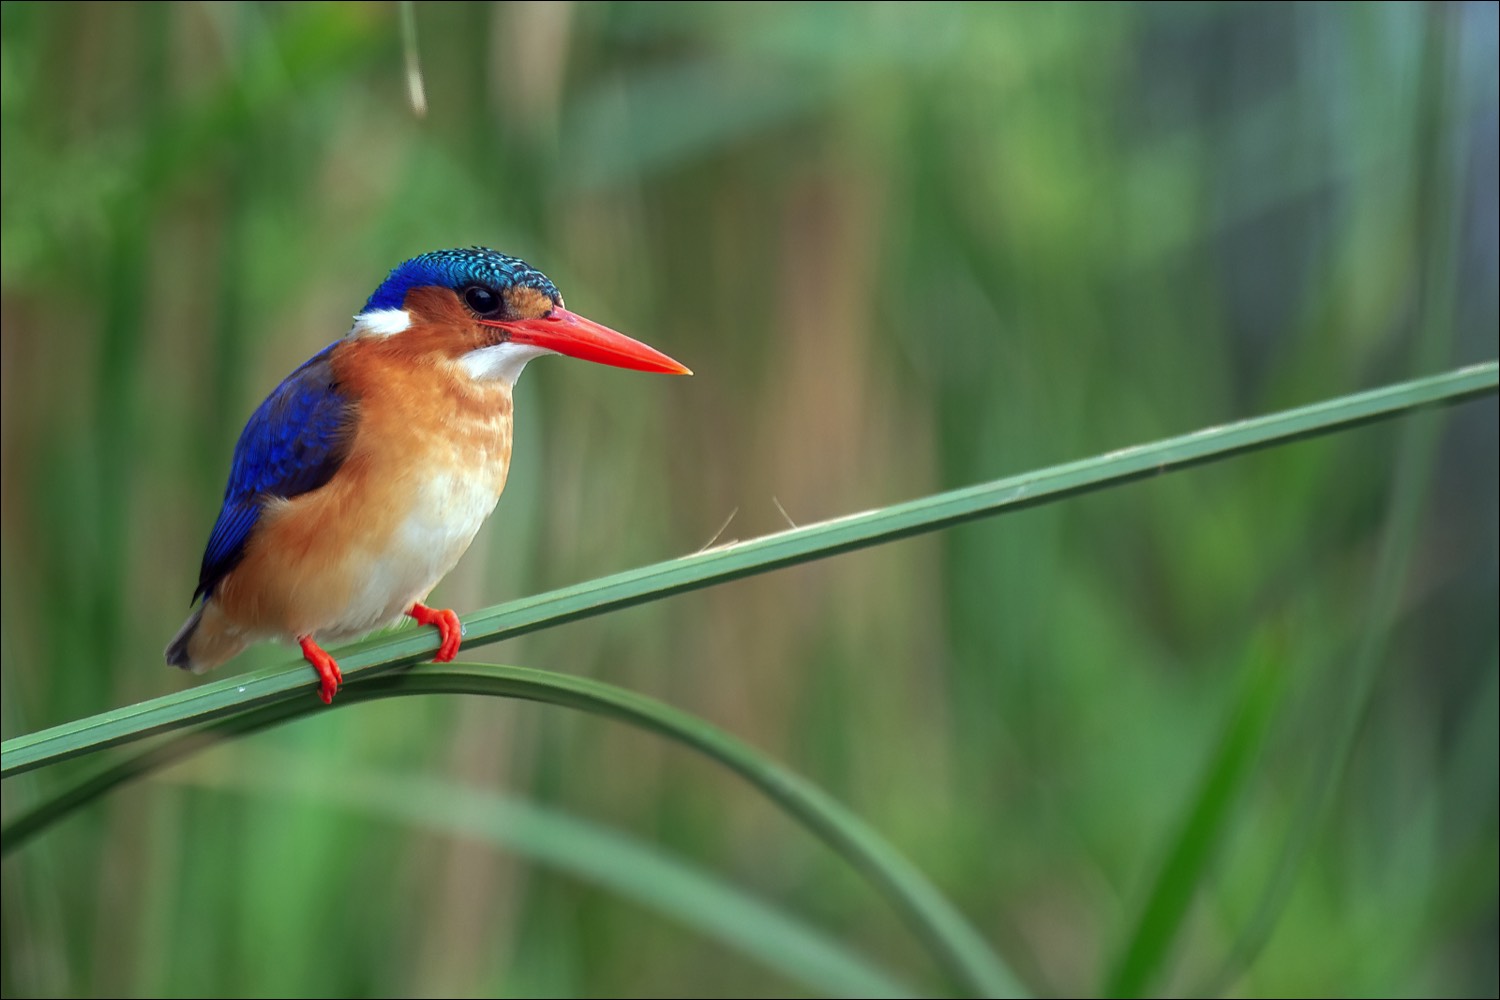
491 314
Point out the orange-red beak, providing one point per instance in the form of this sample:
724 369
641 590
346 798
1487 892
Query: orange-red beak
569 333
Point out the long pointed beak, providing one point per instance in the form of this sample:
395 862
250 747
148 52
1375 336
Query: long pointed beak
569 333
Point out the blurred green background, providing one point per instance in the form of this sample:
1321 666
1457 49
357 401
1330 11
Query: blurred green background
905 248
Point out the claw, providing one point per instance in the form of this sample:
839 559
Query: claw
329 674
448 626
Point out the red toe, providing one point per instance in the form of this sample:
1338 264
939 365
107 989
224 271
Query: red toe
329 674
448 626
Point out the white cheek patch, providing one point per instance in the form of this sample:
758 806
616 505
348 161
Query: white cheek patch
500 362
381 323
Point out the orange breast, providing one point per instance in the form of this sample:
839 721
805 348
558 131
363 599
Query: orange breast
426 467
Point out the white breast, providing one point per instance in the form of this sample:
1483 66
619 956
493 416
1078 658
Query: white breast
445 500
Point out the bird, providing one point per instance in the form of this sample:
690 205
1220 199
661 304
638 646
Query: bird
363 477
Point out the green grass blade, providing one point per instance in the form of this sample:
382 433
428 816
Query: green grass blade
635 870
816 541
1438 224
959 949
1206 824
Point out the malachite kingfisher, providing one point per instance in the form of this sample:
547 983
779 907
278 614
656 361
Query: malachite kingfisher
360 481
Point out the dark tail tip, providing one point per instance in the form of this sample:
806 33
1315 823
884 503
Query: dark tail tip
177 649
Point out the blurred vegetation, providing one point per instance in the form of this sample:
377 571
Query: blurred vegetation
905 248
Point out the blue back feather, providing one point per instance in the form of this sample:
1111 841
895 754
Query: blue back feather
294 442
455 269
297 439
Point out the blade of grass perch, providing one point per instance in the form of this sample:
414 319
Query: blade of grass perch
957 947
787 548
1437 228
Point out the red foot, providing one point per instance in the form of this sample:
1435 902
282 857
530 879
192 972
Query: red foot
448 626
328 671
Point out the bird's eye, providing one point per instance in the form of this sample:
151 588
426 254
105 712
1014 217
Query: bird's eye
482 300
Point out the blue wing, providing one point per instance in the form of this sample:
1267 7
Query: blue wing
294 442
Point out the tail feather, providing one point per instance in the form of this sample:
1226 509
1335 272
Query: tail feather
177 649
205 640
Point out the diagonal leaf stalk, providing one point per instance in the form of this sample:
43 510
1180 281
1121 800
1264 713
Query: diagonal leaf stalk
731 562
959 949
634 870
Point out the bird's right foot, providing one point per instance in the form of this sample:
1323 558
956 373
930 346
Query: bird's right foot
328 670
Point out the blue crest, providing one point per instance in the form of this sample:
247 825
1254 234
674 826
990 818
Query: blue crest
455 269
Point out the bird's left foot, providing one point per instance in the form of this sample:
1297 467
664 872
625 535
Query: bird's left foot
448 626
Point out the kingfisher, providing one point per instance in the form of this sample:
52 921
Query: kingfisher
363 477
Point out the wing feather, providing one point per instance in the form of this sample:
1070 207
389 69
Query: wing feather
293 443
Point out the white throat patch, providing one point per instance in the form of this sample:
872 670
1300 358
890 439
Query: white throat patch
500 362
381 323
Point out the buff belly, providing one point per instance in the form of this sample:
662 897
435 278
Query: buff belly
330 567
354 555
423 546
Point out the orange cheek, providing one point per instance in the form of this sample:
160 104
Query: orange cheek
527 303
